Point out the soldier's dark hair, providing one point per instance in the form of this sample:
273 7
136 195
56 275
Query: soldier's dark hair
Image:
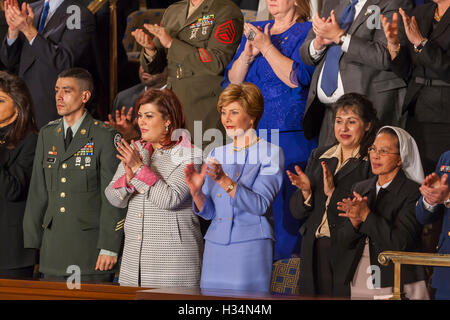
82 76
363 107
25 122
169 106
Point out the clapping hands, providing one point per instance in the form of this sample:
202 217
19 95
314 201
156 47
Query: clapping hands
435 190
301 181
355 209
130 157
19 19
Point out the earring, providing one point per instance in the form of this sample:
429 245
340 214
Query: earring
167 128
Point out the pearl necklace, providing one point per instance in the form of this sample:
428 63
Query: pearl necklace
237 149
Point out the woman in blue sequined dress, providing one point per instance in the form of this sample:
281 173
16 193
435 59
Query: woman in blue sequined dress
269 57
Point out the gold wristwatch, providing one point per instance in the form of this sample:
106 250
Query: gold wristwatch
230 187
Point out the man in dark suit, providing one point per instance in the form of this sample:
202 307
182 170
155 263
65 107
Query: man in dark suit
3 29
434 204
351 56
127 98
44 39
425 60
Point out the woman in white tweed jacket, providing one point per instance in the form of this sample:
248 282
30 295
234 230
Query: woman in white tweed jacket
163 243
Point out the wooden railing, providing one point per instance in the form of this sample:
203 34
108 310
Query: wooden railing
412 258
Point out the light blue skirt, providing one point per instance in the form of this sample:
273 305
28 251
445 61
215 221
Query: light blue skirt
238 266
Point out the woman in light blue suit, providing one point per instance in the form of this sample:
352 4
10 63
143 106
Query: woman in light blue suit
235 189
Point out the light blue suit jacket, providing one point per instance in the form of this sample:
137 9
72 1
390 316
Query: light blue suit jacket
258 173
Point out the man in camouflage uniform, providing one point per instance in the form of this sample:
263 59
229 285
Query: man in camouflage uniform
67 215
196 40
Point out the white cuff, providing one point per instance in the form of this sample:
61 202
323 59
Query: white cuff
9 41
315 54
32 40
108 253
307 202
428 206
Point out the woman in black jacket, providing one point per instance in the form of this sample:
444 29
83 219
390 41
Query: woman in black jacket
381 217
18 137
329 176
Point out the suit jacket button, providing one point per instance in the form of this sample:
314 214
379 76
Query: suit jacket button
63 180
62 210
64 165
449 233
63 194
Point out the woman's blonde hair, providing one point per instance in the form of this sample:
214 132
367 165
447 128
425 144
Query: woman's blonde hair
248 96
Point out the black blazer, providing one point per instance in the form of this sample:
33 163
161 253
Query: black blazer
429 103
390 225
15 174
353 171
127 98
57 49
3 32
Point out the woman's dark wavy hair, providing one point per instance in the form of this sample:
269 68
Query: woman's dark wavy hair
21 97
169 106
363 107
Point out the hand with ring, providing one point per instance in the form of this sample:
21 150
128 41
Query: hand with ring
259 38
251 35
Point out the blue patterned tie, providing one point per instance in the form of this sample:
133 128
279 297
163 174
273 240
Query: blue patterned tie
331 68
43 17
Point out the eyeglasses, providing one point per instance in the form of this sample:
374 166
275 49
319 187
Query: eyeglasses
381 152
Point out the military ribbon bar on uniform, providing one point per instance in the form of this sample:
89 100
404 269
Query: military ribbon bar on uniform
202 22
204 56
225 32
87 150
445 169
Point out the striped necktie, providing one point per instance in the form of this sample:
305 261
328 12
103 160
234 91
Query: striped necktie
44 17
331 67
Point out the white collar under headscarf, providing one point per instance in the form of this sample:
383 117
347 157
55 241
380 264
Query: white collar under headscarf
409 153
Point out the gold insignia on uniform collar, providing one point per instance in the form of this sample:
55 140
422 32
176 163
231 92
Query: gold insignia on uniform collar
96 123
83 131
59 130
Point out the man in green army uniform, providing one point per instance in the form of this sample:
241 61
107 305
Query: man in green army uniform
196 40
67 215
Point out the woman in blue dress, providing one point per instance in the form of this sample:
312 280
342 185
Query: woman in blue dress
235 190
269 57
